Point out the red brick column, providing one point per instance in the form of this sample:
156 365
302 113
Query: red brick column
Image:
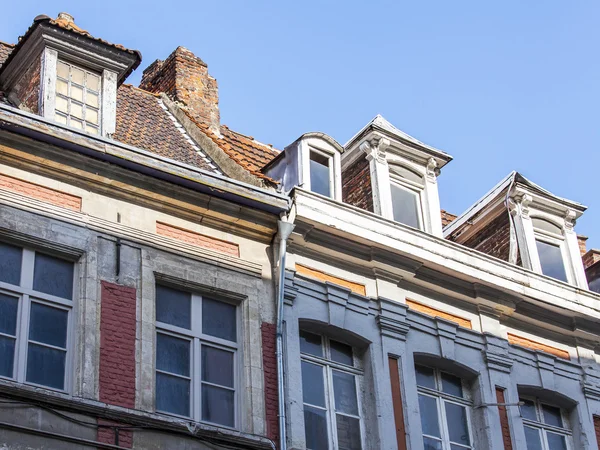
597 429
268 331
107 435
500 398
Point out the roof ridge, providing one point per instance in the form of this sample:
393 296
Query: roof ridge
269 146
141 90
8 44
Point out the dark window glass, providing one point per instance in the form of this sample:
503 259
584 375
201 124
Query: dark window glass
556 441
432 444
173 307
310 343
48 325
528 410
552 416
7 356
551 260
46 366
458 428
53 276
425 377
10 263
533 439
348 432
344 389
315 429
172 394
429 415
8 314
451 385
218 319
319 174
405 205
217 366
217 405
312 384
341 353
172 354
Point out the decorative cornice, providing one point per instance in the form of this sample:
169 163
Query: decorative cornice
376 148
520 204
432 169
570 219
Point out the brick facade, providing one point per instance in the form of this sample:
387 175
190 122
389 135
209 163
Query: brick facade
493 239
268 331
356 185
198 239
433 312
597 429
117 345
504 425
106 434
26 92
533 345
322 276
40 192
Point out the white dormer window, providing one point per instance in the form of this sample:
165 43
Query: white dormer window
551 250
406 187
77 97
321 173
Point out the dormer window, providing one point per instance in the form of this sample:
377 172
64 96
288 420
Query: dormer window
406 187
550 248
77 97
321 173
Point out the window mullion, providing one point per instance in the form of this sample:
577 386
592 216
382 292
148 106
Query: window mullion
22 338
443 423
196 396
27 268
330 402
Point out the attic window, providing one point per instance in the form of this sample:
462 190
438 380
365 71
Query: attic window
406 187
550 247
77 98
320 173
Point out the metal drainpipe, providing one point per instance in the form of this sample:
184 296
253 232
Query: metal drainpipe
285 229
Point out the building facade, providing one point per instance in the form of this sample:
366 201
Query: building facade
166 282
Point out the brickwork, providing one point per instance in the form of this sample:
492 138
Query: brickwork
107 435
433 312
40 192
447 218
590 258
533 345
504 424
197 239
493 239
356 185
117 345
268 331
322 276
582 241
27 90
597 429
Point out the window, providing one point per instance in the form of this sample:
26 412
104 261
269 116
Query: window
320 173
330 380
36 300
445 410
546 426
551 259
406 206
196 350
77 98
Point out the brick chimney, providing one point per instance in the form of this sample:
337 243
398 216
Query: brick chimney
185 79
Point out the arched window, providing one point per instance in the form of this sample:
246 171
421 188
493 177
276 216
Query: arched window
445 407
546 425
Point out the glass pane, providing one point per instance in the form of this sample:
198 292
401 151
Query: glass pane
10 264
172 354
62 70
91 115
53 276
551 260
91 129
62 104
91 99
60 119
76 93
217 405
77 75
533 439
48 325
62 88
429 415
310 343
312 384
348 432
431 444
344 389
425 377
46 366
76 110
217 366
172 394
528 410
76 124
556 441
552 416
458 428
8 314
341 353
315 429
7 356
93 82
451 385
319 174
405 205
173 307
218 319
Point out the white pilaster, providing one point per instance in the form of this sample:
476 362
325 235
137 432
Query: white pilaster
48 83
572 247
380 176
431 204
109 102
519 209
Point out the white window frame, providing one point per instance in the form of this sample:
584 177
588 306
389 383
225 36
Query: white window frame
559 241
412 187
543 427
330 161
441 398
26 295
198 339
329 365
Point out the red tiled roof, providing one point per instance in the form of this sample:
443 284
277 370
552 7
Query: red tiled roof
5 50
447 218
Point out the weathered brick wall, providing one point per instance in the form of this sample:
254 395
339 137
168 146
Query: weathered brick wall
493 239
26 91
356 185
597 429
268 331
40 192
504 425
117 345
197 239
107 435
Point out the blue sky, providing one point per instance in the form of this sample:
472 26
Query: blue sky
498 85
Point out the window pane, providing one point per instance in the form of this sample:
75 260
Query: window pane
62 88
10 264
173 307
556 441
53 276
60 119
344 389
348 432
551 260
315 429
218 319
172 394
8 314
48 325
172 354
77 75
93 82
76 123
528 410
217 366
405 206
425 377
7 356
91 115
46 366
451 385
91 129
552 416
217 405
319 174
533 439
62 104
429 415
92 100
62 70
310 343
341 353
312 384
458 427
431 444
76 93
76 110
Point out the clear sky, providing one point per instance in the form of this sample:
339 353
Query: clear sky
501 86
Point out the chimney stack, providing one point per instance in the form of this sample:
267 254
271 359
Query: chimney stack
184 78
